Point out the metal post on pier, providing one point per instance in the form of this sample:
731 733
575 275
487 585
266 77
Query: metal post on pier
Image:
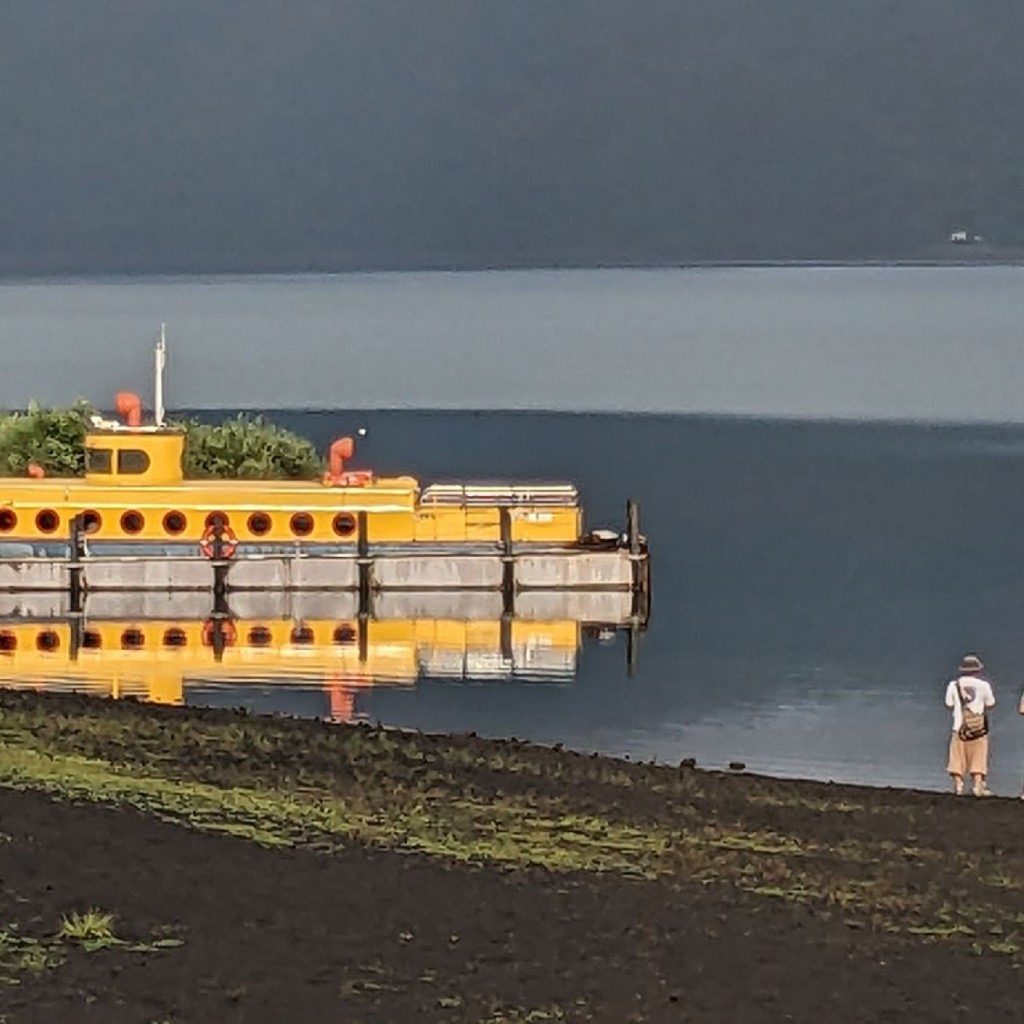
641 584
508 562
220 567
633 527
508 582
76 586
364 564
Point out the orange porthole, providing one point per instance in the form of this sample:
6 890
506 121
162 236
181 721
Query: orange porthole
215 519
259 523
302 524
344 524
8 642
259 636
132 640
174 522
345 635
175 637
8 520
132 522
47 520
91 521
47 640
92 640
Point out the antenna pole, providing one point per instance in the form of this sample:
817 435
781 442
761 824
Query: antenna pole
160 362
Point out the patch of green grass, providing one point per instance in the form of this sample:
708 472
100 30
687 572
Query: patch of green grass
520 1015
1005 948
92 929
23 954
941 931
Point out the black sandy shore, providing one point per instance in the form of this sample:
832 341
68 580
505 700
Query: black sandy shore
172 865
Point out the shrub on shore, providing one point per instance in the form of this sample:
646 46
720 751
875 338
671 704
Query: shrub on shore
245 446
248 447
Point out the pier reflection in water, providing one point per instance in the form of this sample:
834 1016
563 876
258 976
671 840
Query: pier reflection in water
305 654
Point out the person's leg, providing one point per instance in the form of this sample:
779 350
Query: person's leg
955 763
977 763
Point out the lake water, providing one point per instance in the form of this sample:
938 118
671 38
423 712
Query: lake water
933 343
814 582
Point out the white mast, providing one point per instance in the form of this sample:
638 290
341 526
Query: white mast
160 361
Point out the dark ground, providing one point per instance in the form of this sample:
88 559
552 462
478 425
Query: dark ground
374 936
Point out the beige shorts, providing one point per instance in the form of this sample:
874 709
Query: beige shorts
968 757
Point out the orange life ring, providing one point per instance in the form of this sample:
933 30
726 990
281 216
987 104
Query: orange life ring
229 542
227 628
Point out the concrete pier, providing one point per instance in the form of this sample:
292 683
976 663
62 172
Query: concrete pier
601 608
614 569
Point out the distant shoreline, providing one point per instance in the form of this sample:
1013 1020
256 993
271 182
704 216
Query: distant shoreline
8 276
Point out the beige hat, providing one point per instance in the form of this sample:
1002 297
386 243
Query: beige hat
970 663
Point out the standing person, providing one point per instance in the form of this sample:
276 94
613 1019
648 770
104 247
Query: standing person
970 697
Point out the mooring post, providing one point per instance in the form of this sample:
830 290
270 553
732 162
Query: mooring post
633 526
640 577
364 564
75 564
508 562
220 571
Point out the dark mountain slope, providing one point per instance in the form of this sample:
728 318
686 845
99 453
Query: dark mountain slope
249 134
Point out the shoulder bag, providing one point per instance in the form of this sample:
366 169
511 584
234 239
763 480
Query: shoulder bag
972 724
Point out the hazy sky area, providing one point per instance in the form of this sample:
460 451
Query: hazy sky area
926 343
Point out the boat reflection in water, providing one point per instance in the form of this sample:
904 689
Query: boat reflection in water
312 652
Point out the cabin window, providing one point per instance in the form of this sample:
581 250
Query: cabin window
217 519
302 524
344 524
47 521
132 461
174 522
8 642
259 523
91 521
8 520
92 640
132 522
99 460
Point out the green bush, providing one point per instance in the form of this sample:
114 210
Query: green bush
53 438
244 447
248 448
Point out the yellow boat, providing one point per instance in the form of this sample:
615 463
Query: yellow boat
133 522
134 491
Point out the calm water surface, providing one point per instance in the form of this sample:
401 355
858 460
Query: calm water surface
934 343
814 582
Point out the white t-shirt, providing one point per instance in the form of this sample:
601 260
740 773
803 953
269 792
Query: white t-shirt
977 692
